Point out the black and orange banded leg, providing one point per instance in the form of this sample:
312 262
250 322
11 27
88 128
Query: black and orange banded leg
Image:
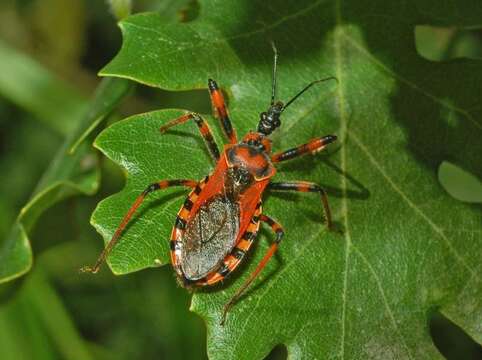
313 146
115 238
278 230
221 111
203 128
303 186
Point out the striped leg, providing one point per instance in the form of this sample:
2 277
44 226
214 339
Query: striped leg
304 186
313 146
115 238
221 112
203 128
272 249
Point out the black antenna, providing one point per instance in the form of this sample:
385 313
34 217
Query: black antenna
306 88
273 87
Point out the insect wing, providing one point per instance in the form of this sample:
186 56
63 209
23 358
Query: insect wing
209 236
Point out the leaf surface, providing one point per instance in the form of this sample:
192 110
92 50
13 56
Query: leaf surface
407 247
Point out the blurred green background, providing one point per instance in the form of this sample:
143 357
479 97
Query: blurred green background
53 312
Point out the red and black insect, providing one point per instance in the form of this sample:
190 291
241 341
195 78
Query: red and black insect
221 216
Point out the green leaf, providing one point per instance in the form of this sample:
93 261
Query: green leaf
107 95
407 247
69 173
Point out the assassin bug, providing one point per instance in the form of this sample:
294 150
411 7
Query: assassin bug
221 216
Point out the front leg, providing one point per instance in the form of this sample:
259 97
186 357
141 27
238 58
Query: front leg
313 146
221 112
303 186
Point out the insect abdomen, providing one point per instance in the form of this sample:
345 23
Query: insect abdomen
209 236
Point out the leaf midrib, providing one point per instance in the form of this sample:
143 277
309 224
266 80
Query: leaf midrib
344 132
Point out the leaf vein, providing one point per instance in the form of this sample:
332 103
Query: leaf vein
410 203
409 83
384 300
275 278
343 185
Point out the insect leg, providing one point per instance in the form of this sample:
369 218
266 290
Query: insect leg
221 112
203 128
303 186
313 146
272 249
115 238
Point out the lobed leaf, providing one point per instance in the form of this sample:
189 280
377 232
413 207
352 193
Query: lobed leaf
407 247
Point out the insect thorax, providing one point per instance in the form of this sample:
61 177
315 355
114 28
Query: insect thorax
236 180
251 159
